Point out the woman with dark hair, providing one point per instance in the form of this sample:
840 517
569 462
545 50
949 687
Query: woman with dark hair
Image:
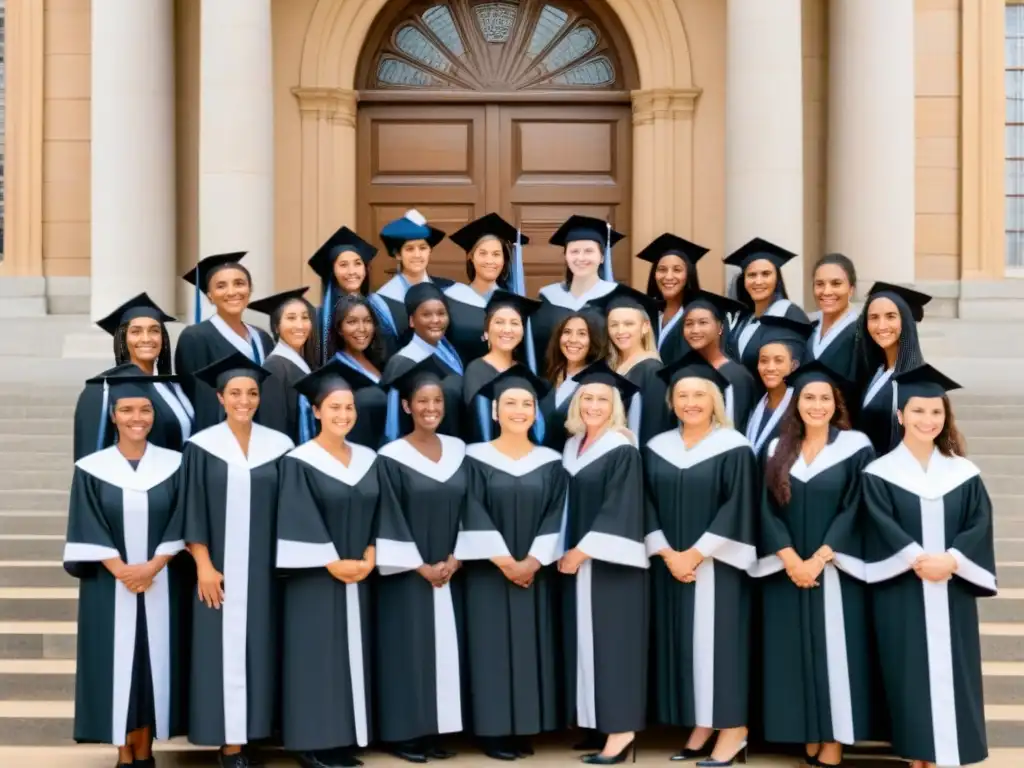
818 679
930 555
355 342
887 344
297 353
834 341
141 346
762 291
228 285
673 281
703 328
578 341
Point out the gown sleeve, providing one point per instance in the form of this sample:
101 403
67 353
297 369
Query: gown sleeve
303 540
90 540
845 535
617 535
192 507
890 550
730 538
774 535
478 538
274 399
173 539
547 544
793 312
973 547
655 540
88 412
396 550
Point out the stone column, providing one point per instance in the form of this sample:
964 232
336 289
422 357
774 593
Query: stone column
132 177
764 176
871 144
236 135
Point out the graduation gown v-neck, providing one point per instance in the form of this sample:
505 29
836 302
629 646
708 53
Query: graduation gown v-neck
605 604
745 337
554 406
819 679
704 498
279 400
172 416
647 411
837 349
229 501
418 676
326 512
513 508
927 632
556 304
131 648
764 423
877 414
204 344
451 386
671 344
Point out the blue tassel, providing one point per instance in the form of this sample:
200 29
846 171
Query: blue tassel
383 313
607 272
517 285
325 319
307 422
104 417
197 311
391 421
539 427
483 417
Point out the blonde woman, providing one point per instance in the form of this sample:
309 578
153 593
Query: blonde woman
633 353
701 483
605 600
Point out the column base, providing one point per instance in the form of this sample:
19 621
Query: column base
22 296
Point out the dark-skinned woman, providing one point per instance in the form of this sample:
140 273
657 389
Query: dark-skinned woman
834 341
141 346
326 522
423 498
130 680
509 535
228 285
229 495
673 281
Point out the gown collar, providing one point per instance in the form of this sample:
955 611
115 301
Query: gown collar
453 451
819 344
557 294
944 473
265 445
110 466
755 433
248 347
289 354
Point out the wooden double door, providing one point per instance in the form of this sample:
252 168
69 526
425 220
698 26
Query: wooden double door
533 164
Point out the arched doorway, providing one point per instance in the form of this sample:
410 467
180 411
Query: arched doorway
515 106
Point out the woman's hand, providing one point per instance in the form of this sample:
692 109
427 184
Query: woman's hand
210 586
935 568
813 566
451 565
571 561
137 578
433 573
348 571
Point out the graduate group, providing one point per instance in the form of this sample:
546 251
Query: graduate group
443 508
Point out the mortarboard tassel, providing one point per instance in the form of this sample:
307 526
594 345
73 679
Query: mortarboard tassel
307 423
391 421
539 427
518 286
197 310
326 310
483 417
101 438
607 272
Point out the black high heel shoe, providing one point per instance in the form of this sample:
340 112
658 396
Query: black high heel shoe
691 754
599 759
739 756
521 746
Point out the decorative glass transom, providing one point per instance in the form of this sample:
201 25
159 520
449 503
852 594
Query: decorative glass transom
494 45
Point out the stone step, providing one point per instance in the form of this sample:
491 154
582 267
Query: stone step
42 501
1007 606
54 523
56 477
1000 485
48 549
37 410
42 639
1007 504
35 460
1010 576
998 409
41 573
997 465
32 444
48 426
38 604
995 427
986 446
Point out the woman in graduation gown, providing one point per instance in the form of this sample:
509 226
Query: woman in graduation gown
356 341
141 346
326 524
588 244
509 535
427 309
819 680
701 482
673 281
834 341
605 597
423 497
228 285
887 345
295 355
229 493
578 341
930 555
704 324
762 292
782 346
130 676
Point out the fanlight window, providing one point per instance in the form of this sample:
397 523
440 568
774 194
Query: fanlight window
488 45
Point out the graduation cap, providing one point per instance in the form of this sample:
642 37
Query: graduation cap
140 306
759 248
816 371
330 378
422 293
915 300
270 304
412 226
719 306
200 275
599 373
672 245
692 365
626 297
923 381
234 365
490 225
784 330
124 381
516 377
322 262
521 304
578 228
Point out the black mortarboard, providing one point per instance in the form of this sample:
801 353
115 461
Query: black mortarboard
420 293
923 381
491 224
516 377
759 249
521 304
412 226
914 299
692 365
140 306
816 371
234 365
719 306
269 304
206 267
600 373
332 377
625 297
585 228
668 244
427 370
128 380
784 330
322 262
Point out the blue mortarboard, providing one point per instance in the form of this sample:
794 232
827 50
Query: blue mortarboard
412 226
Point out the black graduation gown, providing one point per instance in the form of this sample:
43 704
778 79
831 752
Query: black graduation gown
605 605
819 677
702 497
388 304
671 344
172 417
513 508
419 685
371 409
764 423
466 313
838 349
554 406
229 502
876 417
648 411
479 373
744 341
927 632
556 304
132 660
206 343
741 394
451 386
326 512
279 400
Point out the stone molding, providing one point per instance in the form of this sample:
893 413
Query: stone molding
335 104
661 103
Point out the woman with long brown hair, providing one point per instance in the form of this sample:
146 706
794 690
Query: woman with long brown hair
930 555
818 684
673 280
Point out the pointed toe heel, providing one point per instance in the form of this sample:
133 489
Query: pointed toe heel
599 759
739 757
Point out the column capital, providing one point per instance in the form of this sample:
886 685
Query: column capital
661 103
335 104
